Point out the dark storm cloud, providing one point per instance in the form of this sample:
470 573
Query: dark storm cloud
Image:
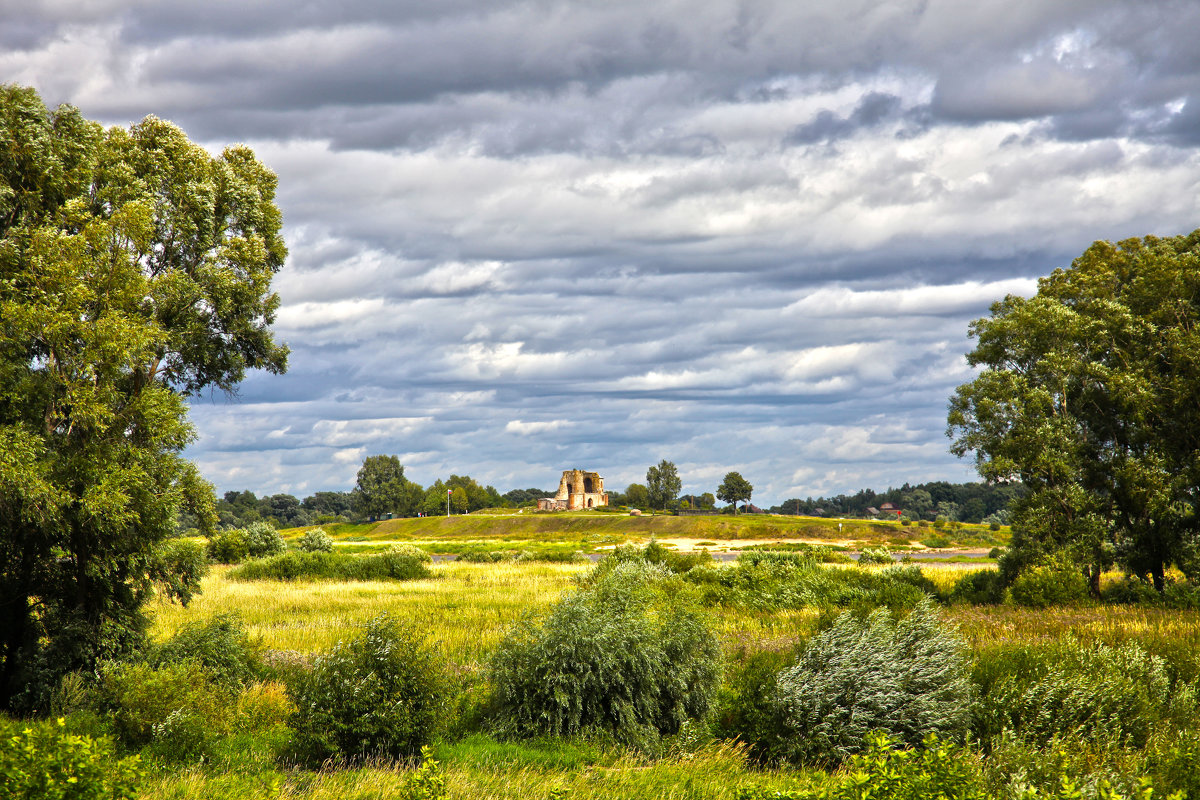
739 235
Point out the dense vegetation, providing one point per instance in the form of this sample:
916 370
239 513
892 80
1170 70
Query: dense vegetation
645 658
135 270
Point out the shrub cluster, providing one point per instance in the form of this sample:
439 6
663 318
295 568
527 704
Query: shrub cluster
315 540
771 581
381 694
876 555
291 566
43 761
220 646
627 656
263 541
1118 693
906 678
228 547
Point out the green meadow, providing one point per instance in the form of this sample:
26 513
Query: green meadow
763 609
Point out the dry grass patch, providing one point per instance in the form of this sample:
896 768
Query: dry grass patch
465 607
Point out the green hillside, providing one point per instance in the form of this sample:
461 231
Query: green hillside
614 528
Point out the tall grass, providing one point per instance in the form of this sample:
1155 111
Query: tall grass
466 607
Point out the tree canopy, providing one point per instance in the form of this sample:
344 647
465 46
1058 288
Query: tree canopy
734 488
662 484
135 270
382 488
1088 396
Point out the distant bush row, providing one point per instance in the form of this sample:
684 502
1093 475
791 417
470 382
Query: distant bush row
399 563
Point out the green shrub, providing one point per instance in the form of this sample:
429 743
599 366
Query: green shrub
149 705
426 782
1045 586
44 761
293 565
411 551
262 541
381 694
936 542
876 555
770 581
744 709
981 587
626 656
1172 760
315 540
220 646
884 772
1121 693
228 547
906 678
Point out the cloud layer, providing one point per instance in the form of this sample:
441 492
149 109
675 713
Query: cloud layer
737 235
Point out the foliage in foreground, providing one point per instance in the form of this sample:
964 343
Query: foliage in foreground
137 270
940 770
627 656
907 679
43 761
381 694
1118 694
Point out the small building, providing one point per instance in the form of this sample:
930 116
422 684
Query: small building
577 490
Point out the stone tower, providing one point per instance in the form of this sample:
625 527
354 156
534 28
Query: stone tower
578 490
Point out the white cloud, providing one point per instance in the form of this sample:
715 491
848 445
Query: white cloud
552 234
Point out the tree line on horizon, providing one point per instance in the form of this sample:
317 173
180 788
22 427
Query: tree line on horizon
383 490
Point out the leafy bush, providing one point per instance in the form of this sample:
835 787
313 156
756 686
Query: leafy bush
177 707
43 761
884 772
982 587
799 551
228 547
907 679
291 566
1120 693
745 710
626 656
381 694
426 782
262 541
770 581
936 542
220 646
315 540
410 551
876 555
1045 586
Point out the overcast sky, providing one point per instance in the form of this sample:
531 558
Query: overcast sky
527 237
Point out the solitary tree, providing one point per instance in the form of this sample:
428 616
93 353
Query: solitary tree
662 484
135 270
1088 396
382 488
734 488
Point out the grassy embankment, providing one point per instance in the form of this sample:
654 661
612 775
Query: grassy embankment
595 531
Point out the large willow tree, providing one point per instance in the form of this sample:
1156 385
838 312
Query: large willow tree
1090 395
135 270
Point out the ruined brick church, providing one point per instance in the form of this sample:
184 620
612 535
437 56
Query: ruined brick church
577 490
